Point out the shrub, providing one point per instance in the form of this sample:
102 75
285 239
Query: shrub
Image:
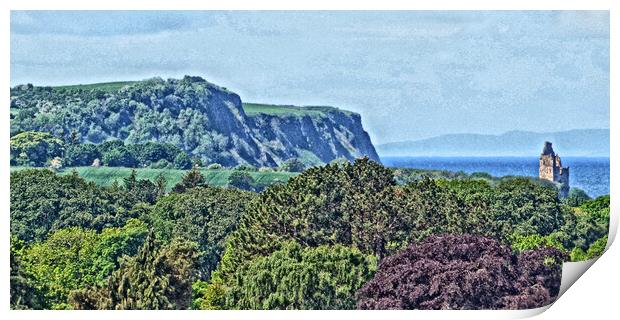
157 277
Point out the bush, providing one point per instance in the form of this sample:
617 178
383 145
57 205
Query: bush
157 277
75 258
532 242
463 272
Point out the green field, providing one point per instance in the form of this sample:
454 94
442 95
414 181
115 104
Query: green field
105 176
252 109
104 86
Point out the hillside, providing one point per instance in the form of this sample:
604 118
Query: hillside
582 142
201 118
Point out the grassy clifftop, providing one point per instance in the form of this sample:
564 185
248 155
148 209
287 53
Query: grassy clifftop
253 109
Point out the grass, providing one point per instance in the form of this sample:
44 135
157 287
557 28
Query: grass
105 176
252 109
104 86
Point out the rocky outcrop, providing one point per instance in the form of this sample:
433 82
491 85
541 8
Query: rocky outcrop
329 134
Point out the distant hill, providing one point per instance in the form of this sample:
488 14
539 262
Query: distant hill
201 118
578 142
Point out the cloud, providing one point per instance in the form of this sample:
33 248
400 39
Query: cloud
101 23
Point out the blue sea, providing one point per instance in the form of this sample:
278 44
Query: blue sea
588 174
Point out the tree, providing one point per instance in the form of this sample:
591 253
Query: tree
522 243
526 207
576 197
43 201
119 157
294 277
81 154
241 180
33 148
183 161
348 205
203 215
24 292
594 251
160 185
75 258
158 277
191 179
463 272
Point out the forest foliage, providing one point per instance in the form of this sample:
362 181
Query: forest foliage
338 236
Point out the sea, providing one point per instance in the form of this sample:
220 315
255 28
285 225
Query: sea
588 174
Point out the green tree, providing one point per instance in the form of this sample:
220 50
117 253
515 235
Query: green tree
191 179
158 277
522 243
241 180
81 155
75 258
120 157
325 277
203 215
576 197
33 148
348 204
182 161
24 292
43 201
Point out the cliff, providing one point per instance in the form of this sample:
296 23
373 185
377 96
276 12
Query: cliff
201 118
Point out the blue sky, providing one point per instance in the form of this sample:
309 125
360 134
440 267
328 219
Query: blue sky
410 74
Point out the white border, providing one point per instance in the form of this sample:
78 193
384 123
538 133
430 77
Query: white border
586 300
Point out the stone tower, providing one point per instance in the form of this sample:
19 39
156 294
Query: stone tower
551 169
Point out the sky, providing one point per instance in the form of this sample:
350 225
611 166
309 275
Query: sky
411 75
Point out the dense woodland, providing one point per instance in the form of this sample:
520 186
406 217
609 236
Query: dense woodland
338 236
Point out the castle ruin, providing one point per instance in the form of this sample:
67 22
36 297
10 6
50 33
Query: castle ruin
551 169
